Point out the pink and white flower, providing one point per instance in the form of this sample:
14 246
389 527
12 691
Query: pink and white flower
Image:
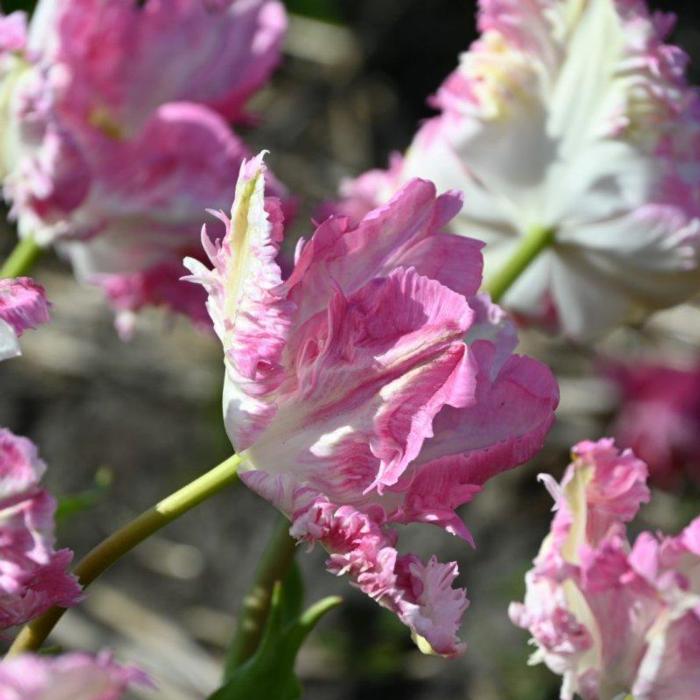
23 305
352 395
573 117
73 676
116 136
612 618
33 575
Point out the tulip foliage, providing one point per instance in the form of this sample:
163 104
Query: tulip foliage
371 385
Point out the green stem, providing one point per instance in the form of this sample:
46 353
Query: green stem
532 244
126 538
274 566
21 259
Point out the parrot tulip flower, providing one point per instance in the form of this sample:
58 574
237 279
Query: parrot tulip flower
571 123
613 618
372 387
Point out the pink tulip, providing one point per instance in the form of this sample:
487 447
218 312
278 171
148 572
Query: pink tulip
352 395
613 619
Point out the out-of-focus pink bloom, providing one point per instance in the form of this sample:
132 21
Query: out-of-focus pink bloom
119 62
23 305
33 575
612 619
73 676
352 395
659 418
116 133
139 218
576 117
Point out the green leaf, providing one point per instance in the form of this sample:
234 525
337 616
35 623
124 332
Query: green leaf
292 594
69 506
269 673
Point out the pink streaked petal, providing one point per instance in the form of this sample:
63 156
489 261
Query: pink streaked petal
402 315
23 305
434 489
371 374
20 465
671 670
33 576
508 421
42 587
561 638
669 561
420 594
250 317
405 232
602 490
589 623
123 61
493 324
623 606
432 608
618 486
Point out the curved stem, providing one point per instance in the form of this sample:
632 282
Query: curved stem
274 566
532 244
126 538
21 259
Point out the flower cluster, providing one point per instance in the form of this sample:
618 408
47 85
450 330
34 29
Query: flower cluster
374 385
116 135
33 575
612 618
23 305
352 394
67 677
575 118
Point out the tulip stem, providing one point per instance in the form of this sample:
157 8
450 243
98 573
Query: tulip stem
21 259
274 566
532 244
126 538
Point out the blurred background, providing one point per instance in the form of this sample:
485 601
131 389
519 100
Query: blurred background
121 425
